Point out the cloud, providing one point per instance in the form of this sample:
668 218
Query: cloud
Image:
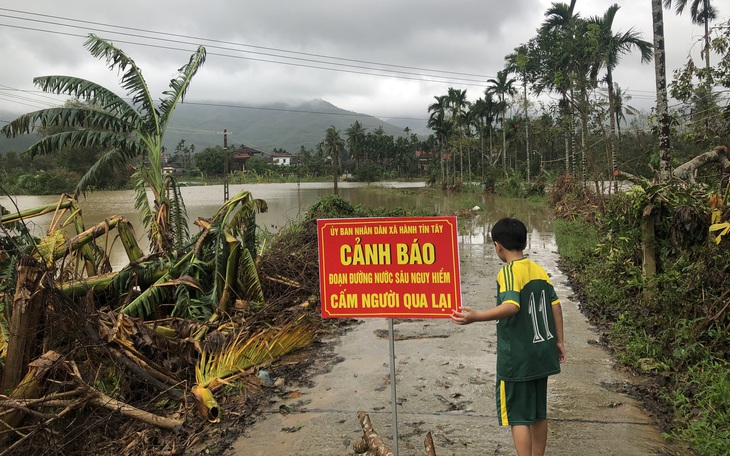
382 57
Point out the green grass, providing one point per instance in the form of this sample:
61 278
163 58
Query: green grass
576 241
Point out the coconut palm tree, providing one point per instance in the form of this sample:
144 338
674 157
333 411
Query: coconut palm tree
478 118
620 108
123 131
660 72
437 122
333 146
521 62
355 139
613 46
457 104
502 87
702 13
559 40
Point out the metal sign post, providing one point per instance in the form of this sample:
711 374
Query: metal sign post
393 395
389 268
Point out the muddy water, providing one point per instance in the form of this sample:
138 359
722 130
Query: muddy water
445 376
286 202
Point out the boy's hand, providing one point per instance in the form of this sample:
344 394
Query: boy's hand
464 317
561 352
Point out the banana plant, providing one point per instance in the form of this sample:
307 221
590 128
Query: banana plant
218 268
121 131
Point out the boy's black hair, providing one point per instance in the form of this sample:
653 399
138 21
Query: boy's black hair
511 233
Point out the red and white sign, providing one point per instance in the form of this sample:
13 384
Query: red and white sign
399 267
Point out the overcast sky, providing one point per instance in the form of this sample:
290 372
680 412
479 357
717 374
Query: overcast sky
341 51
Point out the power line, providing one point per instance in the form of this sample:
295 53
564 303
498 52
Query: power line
242 44
334 60
414 76
461 78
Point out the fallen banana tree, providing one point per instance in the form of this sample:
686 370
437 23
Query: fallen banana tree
169 329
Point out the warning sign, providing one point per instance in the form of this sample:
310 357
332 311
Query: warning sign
403 267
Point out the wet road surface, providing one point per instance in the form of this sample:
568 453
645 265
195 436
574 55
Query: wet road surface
445 384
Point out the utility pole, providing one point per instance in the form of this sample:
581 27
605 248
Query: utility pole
225 165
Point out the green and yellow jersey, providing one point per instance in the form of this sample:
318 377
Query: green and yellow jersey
526 343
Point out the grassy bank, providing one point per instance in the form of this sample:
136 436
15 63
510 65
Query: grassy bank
673 325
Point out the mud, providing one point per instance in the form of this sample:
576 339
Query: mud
445 385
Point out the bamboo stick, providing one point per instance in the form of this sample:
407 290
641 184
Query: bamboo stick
36 212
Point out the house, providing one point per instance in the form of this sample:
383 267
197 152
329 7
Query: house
281 158
172 169
240 156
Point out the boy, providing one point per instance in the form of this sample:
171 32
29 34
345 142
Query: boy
529 338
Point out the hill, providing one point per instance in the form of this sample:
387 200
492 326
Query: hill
19 144
263 127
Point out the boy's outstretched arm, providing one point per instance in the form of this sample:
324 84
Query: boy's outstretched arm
467 315
558 320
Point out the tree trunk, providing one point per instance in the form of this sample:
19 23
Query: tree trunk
718 155
660 71
648 239
567 151
27 309
527 134
707 46
334 175
612 131
30 388
504 142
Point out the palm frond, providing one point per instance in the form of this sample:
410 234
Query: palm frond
141 203
75 139
243 222
69 118
244 352
108 159
89 92
178 213
179 87
248 279
132 80
147 302
220 261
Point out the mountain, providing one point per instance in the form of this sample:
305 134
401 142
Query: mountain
417 126
265 127
19 144
262 127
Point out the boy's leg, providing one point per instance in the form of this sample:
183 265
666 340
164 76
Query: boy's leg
538 433
540 427
522 437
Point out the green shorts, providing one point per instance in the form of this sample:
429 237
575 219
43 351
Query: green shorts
521 403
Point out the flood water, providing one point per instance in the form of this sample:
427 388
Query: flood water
289 201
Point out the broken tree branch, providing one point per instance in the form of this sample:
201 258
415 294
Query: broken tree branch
428 444
371 441
102 400
717 155
30 387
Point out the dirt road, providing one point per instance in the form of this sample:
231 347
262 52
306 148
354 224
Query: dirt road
445 385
